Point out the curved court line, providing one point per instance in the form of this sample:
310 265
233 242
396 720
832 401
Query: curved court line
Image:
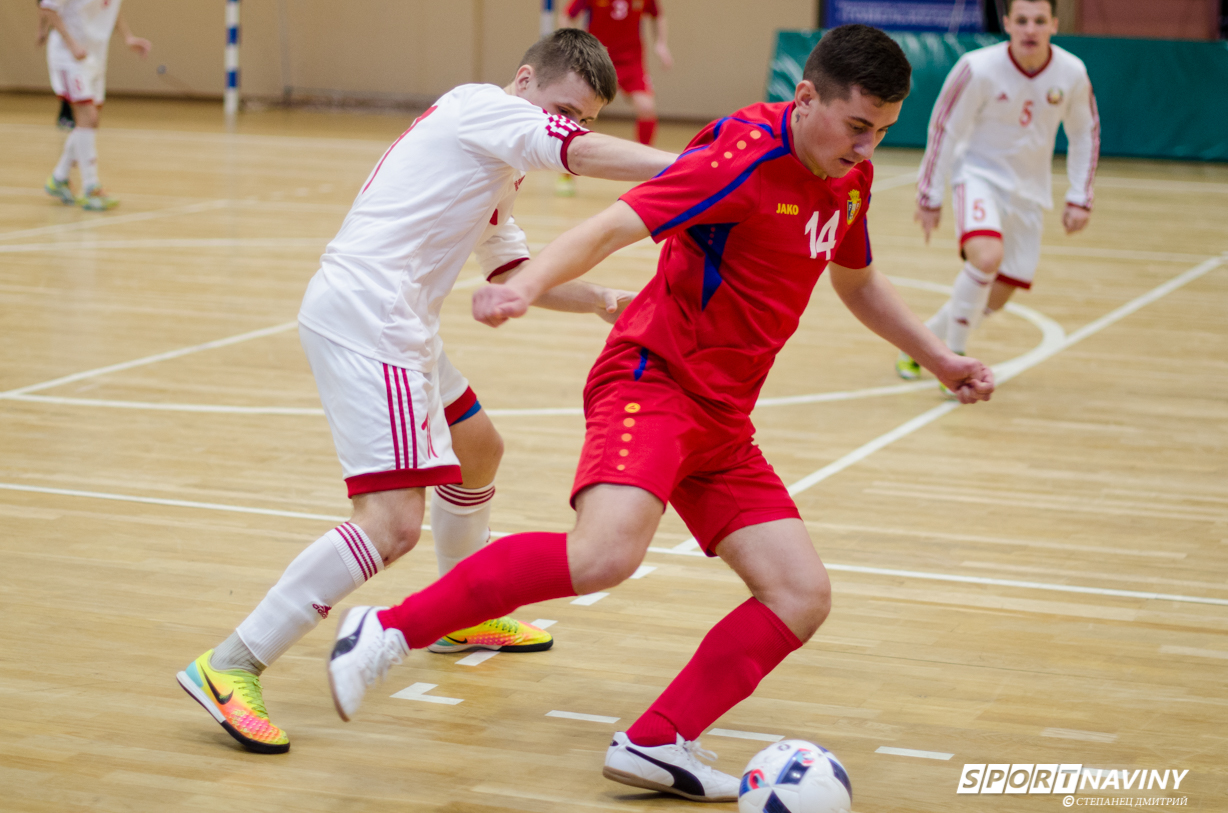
203 242
1051 333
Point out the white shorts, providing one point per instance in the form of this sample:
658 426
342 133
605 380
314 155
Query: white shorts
983 210
76 80
390 425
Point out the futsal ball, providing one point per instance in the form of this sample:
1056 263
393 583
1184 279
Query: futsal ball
795 776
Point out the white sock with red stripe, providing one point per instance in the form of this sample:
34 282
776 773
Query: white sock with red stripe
969 297
67 157
460 522
327 571
87 156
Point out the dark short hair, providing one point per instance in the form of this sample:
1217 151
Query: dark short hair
861 56
572 50
1052 6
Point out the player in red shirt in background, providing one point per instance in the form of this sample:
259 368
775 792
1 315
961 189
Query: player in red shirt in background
752 213
616 23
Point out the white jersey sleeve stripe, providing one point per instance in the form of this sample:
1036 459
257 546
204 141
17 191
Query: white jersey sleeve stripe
946 104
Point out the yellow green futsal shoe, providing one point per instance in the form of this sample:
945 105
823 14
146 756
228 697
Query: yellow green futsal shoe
95 200
59 190
235 700
907 368
500 634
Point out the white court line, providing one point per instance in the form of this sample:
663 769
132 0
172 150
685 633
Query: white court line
481 656
744 735
642 571
909 752
894 181
418 691
588 718
1075 734
543 623
113 220
590 599
1189 650
208 242
173 354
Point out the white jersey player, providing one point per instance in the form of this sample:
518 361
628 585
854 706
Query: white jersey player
402 417
992 133
80 32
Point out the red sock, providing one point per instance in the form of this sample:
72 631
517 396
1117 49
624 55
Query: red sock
733 657
645 129
515 570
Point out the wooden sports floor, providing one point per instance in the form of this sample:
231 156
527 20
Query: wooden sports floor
1042 579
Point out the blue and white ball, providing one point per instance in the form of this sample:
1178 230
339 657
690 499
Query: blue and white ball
795 776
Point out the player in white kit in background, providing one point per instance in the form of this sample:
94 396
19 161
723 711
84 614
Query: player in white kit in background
402 417
992 132
77 61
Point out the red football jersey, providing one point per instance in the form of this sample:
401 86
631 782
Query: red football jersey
617 24
748 231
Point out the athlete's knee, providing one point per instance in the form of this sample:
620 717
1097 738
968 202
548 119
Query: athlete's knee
804 604
986 255
391 520
595 566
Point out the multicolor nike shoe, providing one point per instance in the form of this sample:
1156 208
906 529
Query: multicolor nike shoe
235 700
907 368
500 634
59 190
95 200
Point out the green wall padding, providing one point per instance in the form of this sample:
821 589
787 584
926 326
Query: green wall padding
1157 98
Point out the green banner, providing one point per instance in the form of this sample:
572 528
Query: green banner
1157 98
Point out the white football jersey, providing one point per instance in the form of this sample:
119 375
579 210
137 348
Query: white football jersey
89 21
994 121
444 189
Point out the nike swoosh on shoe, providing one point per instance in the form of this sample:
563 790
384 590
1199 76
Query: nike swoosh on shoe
222 700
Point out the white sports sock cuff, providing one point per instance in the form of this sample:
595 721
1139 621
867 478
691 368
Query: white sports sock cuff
357 551
464 501
978 275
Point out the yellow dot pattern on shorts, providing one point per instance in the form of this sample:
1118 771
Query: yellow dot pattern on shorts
621 467
629 422
626 437
756 134
632 407
623 452
729 155
741 145
715 165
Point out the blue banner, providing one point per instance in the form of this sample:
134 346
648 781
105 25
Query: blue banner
953 16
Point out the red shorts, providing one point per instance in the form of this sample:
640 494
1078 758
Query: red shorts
632 78
645 430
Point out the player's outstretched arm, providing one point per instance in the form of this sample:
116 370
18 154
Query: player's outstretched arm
597 155
574 253
873 300
54 20
578 296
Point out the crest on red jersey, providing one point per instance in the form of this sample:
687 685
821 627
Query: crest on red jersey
854 206
1055 95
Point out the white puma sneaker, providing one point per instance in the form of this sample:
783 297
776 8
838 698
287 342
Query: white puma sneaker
669 769
362 653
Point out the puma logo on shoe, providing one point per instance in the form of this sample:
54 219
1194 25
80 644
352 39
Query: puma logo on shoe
322 609
684 780
350 641
220 699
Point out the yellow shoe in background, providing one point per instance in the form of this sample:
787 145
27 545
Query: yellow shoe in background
500 634
235 700
95 200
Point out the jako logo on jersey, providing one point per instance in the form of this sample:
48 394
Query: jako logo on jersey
788 209
1055 95
854 205
322 609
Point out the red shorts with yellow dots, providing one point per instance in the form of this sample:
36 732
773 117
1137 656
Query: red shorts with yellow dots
645 430
632 78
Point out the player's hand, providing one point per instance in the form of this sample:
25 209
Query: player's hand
78 51
613 303
1075 218
495 304
663 54
967 378
139 45
929 219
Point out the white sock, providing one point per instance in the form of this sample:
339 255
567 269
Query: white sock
327 571
460 522
87 156
67 157
968 301
938 322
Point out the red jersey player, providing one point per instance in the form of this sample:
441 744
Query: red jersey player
752 214
617 24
